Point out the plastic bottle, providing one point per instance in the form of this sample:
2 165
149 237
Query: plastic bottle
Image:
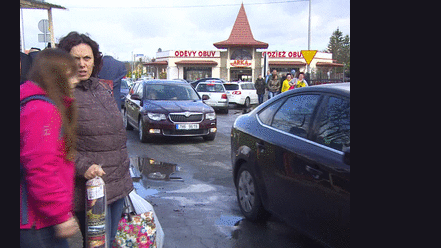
96 205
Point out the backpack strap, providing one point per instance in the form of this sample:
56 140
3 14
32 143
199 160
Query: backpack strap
43 98
35 97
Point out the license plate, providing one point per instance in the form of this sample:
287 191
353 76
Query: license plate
187 126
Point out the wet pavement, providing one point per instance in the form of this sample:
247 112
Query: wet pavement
189 183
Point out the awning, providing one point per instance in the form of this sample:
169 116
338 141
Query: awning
32 4
329 64
287 63
157 63
196 62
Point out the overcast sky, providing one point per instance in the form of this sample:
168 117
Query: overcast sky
141 27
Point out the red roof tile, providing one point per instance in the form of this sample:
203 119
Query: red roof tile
241 34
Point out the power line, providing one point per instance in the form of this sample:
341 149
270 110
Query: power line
180 7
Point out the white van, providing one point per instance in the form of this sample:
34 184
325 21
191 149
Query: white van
242 93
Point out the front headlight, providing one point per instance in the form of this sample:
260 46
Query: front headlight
210 116
156 117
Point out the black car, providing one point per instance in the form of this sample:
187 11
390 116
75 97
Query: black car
290 158
168 108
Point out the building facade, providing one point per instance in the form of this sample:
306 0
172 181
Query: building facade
240 57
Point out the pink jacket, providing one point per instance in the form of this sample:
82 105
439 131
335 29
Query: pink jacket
49 176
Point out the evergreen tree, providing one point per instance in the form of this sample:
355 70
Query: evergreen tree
339 46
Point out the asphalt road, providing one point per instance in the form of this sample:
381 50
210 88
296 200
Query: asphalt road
189 182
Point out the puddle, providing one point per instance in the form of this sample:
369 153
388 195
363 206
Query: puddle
228 220
143 192
144 167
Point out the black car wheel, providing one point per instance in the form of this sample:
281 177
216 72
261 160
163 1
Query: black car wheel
126 122
248 195
247 102
142 135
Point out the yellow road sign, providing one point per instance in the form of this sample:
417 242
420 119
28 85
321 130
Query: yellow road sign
308 55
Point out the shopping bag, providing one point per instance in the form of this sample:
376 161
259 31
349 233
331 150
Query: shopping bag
136 231
140 205
139 225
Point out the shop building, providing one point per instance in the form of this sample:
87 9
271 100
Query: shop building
240 57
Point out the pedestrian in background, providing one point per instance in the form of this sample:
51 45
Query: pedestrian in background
267 77
33 52
285 84
47 151
300 82
101 147
25 66
274 84
113 70
260 88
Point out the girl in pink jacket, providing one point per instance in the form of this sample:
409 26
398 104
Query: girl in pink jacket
47 145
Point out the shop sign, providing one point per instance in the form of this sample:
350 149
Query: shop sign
241 63
282 54
196 54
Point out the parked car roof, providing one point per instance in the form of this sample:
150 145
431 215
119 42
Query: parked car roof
337 86
161 81
238 82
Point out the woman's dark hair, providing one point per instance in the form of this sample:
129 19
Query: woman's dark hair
51 70
73 39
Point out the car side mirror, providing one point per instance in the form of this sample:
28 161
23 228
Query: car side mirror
135 97
205 97
346 155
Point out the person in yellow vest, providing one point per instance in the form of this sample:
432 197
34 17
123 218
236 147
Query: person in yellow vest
285 84
299 82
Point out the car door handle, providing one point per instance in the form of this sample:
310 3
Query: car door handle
314 172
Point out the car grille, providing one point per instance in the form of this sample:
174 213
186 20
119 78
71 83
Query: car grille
198 132
182 117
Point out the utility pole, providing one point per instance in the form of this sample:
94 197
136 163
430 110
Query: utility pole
309 27
133 62
308 68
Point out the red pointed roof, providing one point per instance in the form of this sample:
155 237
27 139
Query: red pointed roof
241 34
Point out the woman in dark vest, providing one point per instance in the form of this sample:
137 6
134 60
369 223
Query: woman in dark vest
101 145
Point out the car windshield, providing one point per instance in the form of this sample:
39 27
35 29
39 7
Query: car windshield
170 92
231 86
209 87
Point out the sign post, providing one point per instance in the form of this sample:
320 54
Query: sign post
308 55
43 26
